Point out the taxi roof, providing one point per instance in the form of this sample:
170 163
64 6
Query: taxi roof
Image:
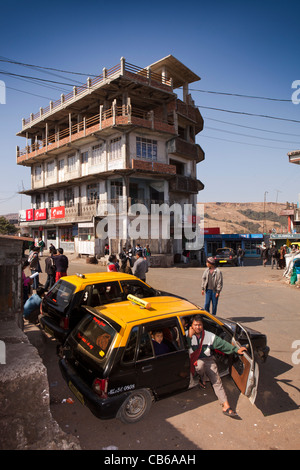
80 280
161 307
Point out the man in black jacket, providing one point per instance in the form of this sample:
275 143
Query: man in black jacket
61 263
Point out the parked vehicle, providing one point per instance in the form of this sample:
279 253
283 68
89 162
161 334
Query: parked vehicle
62 306
109 361
226 256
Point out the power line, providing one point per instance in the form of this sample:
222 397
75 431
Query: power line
249 114
240 95
5 59
27 92
242 143
35 78
249 127
251 136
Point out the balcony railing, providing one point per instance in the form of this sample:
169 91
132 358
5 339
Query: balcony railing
116 115
123 68
112 207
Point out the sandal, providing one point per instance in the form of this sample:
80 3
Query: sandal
232 414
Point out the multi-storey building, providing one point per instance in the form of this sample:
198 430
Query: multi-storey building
122 138
292 211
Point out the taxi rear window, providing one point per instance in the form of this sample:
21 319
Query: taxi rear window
61 293
94 336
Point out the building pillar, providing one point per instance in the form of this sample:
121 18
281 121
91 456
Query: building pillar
70 127
185 90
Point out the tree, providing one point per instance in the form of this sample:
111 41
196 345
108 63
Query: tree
6 228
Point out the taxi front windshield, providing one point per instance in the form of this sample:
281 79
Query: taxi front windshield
94 337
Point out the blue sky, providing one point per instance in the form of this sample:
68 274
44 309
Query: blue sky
249 48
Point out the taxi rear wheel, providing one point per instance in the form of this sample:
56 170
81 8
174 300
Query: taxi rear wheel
135 407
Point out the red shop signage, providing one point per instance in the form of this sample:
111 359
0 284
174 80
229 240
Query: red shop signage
29 215
40 214
57 212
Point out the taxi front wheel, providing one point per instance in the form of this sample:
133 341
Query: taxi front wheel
135 407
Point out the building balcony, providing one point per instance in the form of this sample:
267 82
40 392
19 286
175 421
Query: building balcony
116 116
185 184
142 76
191 113
185 149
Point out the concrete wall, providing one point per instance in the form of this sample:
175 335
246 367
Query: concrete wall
26 422
25 418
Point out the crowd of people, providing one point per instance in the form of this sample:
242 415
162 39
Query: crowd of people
285 258
131 261
56 266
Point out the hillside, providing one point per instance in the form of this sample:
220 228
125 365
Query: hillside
248 217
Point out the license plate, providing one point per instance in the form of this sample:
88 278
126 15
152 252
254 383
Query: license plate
76 392
222 261
48 331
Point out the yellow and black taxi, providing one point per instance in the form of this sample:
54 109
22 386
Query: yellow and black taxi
112 366
62 306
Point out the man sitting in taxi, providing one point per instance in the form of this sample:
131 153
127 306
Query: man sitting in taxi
158 343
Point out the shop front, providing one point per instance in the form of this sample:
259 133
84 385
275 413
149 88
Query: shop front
249 242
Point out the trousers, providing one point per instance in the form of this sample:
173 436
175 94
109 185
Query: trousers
210 297
207 366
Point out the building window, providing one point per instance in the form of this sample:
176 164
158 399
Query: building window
97 151
50 169
71 163
85 157
86 233
146 149
38 201
116 189
51 199
115 148
92 191
69 197
38 173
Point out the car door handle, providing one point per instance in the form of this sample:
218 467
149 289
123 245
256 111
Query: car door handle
146 368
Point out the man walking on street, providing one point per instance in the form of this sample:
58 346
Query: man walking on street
212 284
140 267
50 270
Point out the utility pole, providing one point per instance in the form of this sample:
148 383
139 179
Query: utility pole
264 225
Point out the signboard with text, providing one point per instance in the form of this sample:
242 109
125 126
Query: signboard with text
57 212
29 215
40 214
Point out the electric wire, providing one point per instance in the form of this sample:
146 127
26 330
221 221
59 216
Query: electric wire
241 95
36 80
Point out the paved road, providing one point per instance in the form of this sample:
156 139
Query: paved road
193 420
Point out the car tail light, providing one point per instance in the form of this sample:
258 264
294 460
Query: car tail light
64 323
100 387
230 257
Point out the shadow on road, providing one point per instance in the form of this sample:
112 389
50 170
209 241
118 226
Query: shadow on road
271 398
